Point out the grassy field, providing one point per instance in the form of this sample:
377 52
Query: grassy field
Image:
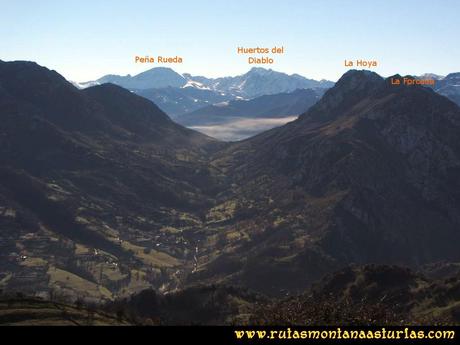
33 262
153 257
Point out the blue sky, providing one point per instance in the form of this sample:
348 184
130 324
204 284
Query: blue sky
84 39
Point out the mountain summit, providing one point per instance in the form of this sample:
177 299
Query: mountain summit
158 77
353 86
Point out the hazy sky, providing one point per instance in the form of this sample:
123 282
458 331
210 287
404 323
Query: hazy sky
86 39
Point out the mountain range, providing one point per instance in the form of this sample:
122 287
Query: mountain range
216 106
178 94
102 195
257 82
179 101
267 106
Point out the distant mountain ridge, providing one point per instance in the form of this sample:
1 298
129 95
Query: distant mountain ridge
260 81
449 86
178 101
267 106
256 82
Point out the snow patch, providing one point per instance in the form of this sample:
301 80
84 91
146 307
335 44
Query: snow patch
84 85
196 85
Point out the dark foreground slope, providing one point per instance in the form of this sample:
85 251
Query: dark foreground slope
35 312
94 186
356 295
369 174
370 295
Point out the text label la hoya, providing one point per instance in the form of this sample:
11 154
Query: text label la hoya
361 63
